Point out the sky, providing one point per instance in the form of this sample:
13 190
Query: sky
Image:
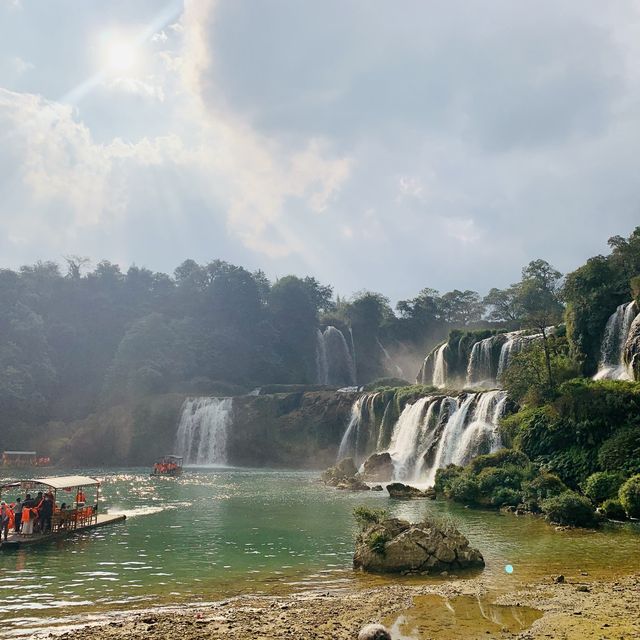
380 145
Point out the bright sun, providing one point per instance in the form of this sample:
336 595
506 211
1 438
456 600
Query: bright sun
120 56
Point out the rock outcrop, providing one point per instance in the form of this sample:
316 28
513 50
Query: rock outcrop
632 349
342 472
405 491
378 467
397 546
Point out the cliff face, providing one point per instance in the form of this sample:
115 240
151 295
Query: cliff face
297 430
632 349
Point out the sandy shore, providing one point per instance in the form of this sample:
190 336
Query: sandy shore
579 608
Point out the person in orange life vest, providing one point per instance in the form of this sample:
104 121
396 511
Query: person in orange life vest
28 514
6 519
80 497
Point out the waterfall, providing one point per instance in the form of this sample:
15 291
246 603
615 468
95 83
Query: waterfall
396 369
616 332
361 436
432 432
440 367
406 436
481 370
202 432
335 361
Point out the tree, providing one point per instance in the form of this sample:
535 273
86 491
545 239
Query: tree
503 306
461 308
538 297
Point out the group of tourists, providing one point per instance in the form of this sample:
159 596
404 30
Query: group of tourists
31 515
165 468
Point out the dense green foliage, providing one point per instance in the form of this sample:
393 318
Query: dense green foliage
593 292
589 426
569 508
508 478
602 485
366 516
630 496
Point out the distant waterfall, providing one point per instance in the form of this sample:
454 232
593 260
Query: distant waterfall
335 361
391 365
430 433
202 432
440 367
616 332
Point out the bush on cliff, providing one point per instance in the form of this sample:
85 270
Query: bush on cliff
630 496
621 452
569 508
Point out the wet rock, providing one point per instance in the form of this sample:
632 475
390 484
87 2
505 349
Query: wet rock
397 546
353 484
405 491
344 471
374 632
378 468
377 487
559 579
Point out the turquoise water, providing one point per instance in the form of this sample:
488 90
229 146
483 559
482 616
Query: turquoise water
214 533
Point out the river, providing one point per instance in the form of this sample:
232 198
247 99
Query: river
215 533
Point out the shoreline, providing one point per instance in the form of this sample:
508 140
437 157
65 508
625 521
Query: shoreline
580 608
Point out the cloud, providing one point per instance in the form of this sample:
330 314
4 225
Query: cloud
147 89
263 179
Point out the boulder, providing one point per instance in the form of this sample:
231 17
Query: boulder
405 491
353 484
397 546
345 470
374 632
378 467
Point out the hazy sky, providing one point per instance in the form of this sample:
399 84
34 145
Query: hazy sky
381 145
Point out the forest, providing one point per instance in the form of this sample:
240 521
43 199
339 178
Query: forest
78 339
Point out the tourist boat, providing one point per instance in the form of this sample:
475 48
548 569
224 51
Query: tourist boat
79 513
168 466
24 459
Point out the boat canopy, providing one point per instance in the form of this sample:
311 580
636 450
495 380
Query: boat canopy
171 457
63 482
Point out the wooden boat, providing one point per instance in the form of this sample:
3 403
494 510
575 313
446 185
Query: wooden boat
170 466
80 515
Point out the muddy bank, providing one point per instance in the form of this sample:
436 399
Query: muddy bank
577 608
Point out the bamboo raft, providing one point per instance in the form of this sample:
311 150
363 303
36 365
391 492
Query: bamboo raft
17 540
64 522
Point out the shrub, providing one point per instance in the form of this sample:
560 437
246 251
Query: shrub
491 478
629 495
366 516
621 452
445 476
602 485
569 508
377 541
505 496
502 458
613 510
463 489
543 486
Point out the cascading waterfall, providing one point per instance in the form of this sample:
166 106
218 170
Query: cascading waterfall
202 431
335 361
391 365
430 433
482 369
361 436
616 332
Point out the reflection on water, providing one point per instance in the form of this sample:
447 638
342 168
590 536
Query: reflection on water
464 617
218 532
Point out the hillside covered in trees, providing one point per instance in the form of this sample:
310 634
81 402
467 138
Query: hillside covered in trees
77 341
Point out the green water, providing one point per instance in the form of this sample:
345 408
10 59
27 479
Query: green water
216 533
